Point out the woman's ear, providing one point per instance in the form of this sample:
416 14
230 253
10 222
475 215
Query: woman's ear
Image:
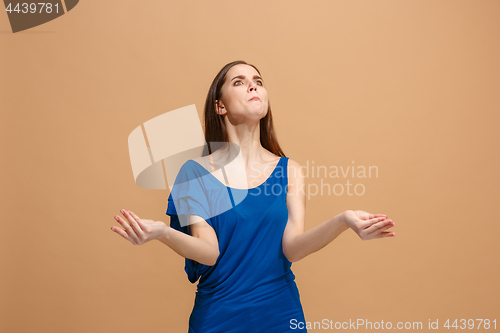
219 108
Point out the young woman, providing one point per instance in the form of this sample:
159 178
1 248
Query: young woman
237 216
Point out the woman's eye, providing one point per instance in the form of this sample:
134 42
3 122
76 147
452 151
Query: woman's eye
258 82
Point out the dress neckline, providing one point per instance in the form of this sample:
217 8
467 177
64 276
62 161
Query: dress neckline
241 189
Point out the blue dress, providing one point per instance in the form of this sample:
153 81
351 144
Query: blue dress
251 287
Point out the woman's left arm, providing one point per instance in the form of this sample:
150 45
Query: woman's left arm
297 244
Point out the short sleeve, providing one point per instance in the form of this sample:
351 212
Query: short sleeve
188 197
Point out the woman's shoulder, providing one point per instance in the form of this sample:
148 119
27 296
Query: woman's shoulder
292 163
202 161
295 169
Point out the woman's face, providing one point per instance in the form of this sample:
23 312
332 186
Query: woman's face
243 94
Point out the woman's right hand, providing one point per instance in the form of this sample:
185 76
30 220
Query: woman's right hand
368 226
139 231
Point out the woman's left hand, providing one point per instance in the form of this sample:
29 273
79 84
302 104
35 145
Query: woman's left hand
368 226
138 231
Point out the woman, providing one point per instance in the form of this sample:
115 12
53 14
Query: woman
238 233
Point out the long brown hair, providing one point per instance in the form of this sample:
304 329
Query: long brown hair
215 128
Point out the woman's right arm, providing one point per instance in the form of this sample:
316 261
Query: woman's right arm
202 246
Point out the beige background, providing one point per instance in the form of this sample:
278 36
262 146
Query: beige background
409 86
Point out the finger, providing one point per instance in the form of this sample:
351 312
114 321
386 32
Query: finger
387 234
137 219
379 224
132 222
122 233
377 215
128 228
369 223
